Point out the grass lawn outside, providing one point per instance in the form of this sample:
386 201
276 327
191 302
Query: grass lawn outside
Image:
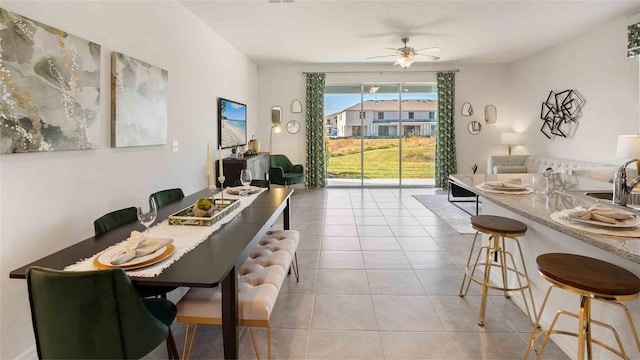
381 158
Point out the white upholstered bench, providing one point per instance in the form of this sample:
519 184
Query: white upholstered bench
259 282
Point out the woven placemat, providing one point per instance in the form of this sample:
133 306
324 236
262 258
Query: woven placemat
562 217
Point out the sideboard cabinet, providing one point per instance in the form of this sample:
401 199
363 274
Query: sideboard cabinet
258 164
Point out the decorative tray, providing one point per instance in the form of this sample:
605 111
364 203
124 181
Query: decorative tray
221 209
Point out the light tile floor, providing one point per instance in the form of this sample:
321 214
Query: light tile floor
380 276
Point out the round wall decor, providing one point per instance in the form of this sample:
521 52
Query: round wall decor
293 127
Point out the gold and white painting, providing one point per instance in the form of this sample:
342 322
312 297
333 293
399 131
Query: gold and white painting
49 87
138 102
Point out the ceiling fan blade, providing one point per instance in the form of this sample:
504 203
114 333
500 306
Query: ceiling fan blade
392 49
432 49
434 58
381 56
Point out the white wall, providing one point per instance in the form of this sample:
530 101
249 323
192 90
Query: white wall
49 200
479 84
595 65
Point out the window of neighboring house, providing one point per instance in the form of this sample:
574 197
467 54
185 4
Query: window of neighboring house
363 115
358 130
432 115
412 115
383 131
381 115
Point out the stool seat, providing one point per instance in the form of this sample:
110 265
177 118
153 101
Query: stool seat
588 274
498 224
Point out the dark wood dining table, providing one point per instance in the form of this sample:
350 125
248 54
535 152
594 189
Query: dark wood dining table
213 262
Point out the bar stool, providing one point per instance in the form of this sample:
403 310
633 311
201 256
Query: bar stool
498 228
591 279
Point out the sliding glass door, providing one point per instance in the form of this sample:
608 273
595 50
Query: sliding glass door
380 134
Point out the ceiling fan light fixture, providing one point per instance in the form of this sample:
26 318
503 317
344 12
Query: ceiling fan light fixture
404 61
373 89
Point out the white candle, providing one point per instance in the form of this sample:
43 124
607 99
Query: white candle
220 172
209 163
211 184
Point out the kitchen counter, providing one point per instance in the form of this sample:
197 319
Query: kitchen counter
566 194
546 236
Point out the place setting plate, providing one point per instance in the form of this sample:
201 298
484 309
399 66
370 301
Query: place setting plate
629 223
501 188
239 190
629 228
103 260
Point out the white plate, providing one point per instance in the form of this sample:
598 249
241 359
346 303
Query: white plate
238 189
622 224
105 257
500 188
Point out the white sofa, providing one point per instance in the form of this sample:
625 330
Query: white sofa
502 164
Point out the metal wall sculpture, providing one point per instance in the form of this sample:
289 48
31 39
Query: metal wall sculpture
560 113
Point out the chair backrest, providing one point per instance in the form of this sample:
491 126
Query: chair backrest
114 219
90 315
166 197
261 183
281 161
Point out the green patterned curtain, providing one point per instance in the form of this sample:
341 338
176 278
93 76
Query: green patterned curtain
446 135
315 131
634 40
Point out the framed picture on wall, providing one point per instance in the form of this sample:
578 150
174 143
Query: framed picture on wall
232 123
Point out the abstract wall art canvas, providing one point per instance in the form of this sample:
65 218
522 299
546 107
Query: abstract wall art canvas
138 102
49 88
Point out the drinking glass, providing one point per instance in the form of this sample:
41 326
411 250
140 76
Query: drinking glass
147 218
245 177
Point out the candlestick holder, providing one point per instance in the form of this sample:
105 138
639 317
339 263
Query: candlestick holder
221 179
211 186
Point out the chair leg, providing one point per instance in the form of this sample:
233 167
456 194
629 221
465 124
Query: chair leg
268 341
255 343
186 354
172 350
296 269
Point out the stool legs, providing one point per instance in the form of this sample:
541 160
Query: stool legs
495 253
585 340
464 291
487 277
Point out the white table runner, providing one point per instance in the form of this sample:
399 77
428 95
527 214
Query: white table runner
185 238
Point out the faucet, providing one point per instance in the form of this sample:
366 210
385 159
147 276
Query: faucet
620 187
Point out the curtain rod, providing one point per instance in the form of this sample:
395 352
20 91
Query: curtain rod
380 72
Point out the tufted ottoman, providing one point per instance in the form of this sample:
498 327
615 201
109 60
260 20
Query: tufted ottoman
259 282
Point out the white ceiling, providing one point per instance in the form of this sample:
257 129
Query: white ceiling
322 31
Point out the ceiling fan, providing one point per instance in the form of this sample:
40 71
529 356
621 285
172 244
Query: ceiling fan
406 54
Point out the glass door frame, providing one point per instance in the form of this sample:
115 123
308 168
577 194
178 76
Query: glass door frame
401 85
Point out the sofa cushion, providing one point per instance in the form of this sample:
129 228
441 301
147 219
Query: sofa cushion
605 174
538 164
509 169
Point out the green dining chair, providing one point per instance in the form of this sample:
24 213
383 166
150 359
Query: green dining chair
261 183
166 197
112 220
255 182
95 315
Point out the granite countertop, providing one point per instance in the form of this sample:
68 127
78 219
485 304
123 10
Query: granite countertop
566 194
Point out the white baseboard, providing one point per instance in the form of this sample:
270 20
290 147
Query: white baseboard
29 354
